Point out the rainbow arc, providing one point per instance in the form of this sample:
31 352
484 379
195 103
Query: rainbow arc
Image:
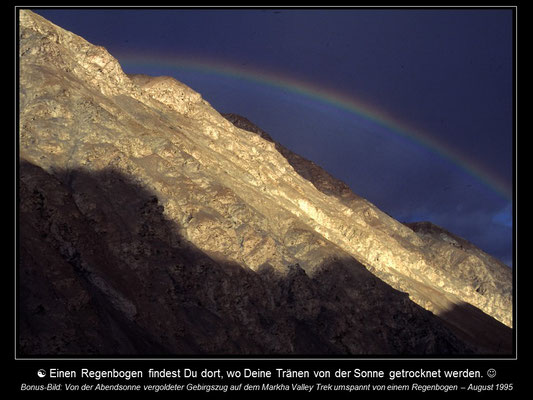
332 98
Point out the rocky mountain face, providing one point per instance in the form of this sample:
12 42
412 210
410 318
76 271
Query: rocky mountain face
151 224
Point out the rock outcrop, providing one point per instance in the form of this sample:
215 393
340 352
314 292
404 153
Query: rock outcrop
152 224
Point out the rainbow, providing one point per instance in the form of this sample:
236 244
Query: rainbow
332 98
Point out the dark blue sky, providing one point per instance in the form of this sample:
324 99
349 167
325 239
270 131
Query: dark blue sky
445 72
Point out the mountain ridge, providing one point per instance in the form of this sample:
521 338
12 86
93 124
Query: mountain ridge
238 199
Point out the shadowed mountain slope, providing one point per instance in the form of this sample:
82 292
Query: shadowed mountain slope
121 280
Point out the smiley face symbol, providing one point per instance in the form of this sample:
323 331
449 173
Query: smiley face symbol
491 373
41 373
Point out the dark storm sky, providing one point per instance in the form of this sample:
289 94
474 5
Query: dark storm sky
446 73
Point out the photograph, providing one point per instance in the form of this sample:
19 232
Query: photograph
277 187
